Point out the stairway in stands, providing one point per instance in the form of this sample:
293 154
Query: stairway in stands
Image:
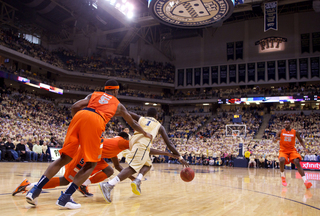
166 122
263 126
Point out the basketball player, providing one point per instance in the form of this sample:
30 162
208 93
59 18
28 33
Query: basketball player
288 152
111 148
90 117
138 159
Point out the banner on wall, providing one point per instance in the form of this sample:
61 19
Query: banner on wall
239 50
316 41
293 68
223 74
214 74
205 75
230 51
304 67
189 76
232 73
314 62
270 16
305 43
282 69
180 77
197 76
242 72
271 67
251 72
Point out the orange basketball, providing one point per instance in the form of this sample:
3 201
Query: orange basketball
187 174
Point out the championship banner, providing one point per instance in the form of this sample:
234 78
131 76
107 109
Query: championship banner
239 50
232 73
316 42
242 72
197 76
230 51
214 74
305 43
271 67
180 77
270 16
315 63
205 75
261 71
223 74
282 69
293 68
189 76
303 66
251 72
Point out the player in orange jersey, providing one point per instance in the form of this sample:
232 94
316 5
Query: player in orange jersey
288 153
90 117
111 148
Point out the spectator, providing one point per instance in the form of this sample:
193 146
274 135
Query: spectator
22 152
12 154
3 149
38 150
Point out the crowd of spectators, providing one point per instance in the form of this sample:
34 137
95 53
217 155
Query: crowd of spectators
157 71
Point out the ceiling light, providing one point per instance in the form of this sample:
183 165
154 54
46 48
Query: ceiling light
154 104
146 103
129 14
206 104
302 104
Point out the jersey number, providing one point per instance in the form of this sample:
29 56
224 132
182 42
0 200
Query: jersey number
148 123
287 139
104 99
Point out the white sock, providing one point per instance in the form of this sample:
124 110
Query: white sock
304 178
114 181
87 182
29 187
282 174
139 176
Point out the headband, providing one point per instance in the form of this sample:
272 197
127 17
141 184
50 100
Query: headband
111 87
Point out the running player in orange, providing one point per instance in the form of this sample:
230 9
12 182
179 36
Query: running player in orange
111 148
90 117
288 153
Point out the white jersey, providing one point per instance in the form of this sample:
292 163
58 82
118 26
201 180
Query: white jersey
148 124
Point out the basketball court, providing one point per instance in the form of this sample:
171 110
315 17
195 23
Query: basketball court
214 191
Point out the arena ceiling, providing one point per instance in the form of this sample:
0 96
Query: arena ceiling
59 21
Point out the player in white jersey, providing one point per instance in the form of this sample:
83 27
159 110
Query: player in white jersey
138 159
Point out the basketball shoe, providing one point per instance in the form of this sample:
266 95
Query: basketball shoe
307 184
135 185
65 201
84 190
32 196
106 189
284 183
22 187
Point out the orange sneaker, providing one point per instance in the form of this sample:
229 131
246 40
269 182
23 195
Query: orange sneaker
307 184
21 187
284 183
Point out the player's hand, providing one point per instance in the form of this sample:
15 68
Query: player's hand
148 135
183 162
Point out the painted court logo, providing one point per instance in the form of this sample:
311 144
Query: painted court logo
191 13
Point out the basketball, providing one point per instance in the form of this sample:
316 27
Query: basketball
187 174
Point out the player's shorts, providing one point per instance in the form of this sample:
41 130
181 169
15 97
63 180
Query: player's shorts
85 130
289 156
124 153
74 167
139 156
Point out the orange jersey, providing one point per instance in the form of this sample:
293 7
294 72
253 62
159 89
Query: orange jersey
104 104
287 140
113 146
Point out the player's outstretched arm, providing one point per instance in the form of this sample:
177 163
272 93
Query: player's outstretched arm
277 137
79 105
301 140
122 111
165 137
158 152
134 115
118 167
